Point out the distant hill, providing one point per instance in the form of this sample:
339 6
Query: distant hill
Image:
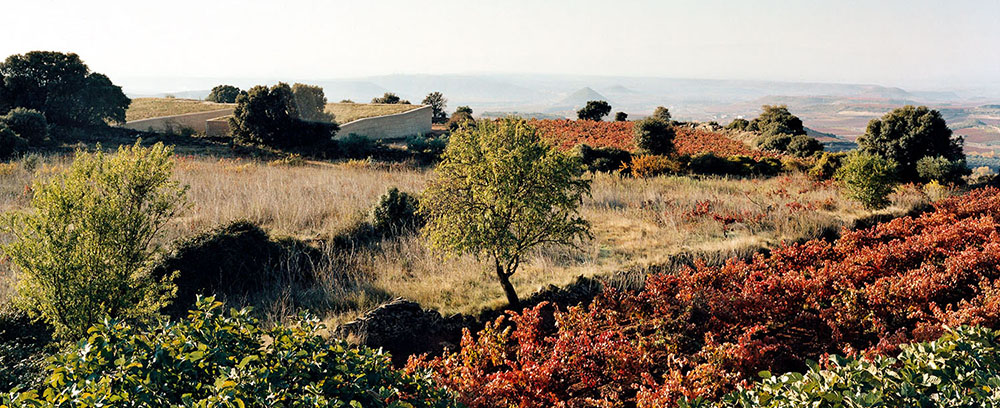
577 100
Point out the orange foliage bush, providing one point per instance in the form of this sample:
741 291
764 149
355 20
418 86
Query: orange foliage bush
702 331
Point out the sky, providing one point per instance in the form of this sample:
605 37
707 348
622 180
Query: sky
909 43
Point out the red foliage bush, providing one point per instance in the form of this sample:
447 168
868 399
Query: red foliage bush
569 133
704 330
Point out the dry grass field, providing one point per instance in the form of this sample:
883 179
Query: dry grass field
346 112
635 222
145 108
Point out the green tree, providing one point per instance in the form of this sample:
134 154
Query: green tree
594 110
621 117
218 358
84 250
310 102
499 191
223 94
868 178
464 109
654 135
10 142
62 87
942 170
909 134
29 124
438 103
776 120
662 113
462 116
390 98
270 117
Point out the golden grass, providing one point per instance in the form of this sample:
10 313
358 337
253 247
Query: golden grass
635 222
145 108
346 112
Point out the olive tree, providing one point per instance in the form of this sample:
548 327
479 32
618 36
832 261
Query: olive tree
84 249
501 190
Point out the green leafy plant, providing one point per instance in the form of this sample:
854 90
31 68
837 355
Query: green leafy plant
868 178
655 136
395 211
500 191
960 369
84 249
28 124
216 358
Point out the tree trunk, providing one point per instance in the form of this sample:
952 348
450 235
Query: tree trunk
508 288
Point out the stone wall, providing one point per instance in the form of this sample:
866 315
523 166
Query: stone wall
196 121
217 127
396 126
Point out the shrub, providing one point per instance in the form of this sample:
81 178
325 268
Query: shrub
270 117
355 146
214 358
826 166
703 331
29 124
602 159
621 116
460 118
777 120
662 113
389 98
738 124
655 136
83 251
10 142
868 179
395 212
909 134
960 369
594 110
234 259
803 146
223 94
942 170
310 102
426 147
649 166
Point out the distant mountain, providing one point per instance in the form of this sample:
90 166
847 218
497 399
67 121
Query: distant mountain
577 100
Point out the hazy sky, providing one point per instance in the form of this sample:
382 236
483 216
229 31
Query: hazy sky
904 43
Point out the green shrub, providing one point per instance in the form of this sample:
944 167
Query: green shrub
234 259
602 159
777 120
355 146
942 170
223 94
395 212
225 359
426 147
827 165
10 142
960 369
270 117
868 178
803 146
654 136
621 116
738 124
29 124
83 251
662 113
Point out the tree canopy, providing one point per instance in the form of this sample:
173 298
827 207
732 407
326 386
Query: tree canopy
654 135
909 134
499 191
662 113
223 94
310 101
270 117
438 103
776 120
390 98
62 87
594 110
